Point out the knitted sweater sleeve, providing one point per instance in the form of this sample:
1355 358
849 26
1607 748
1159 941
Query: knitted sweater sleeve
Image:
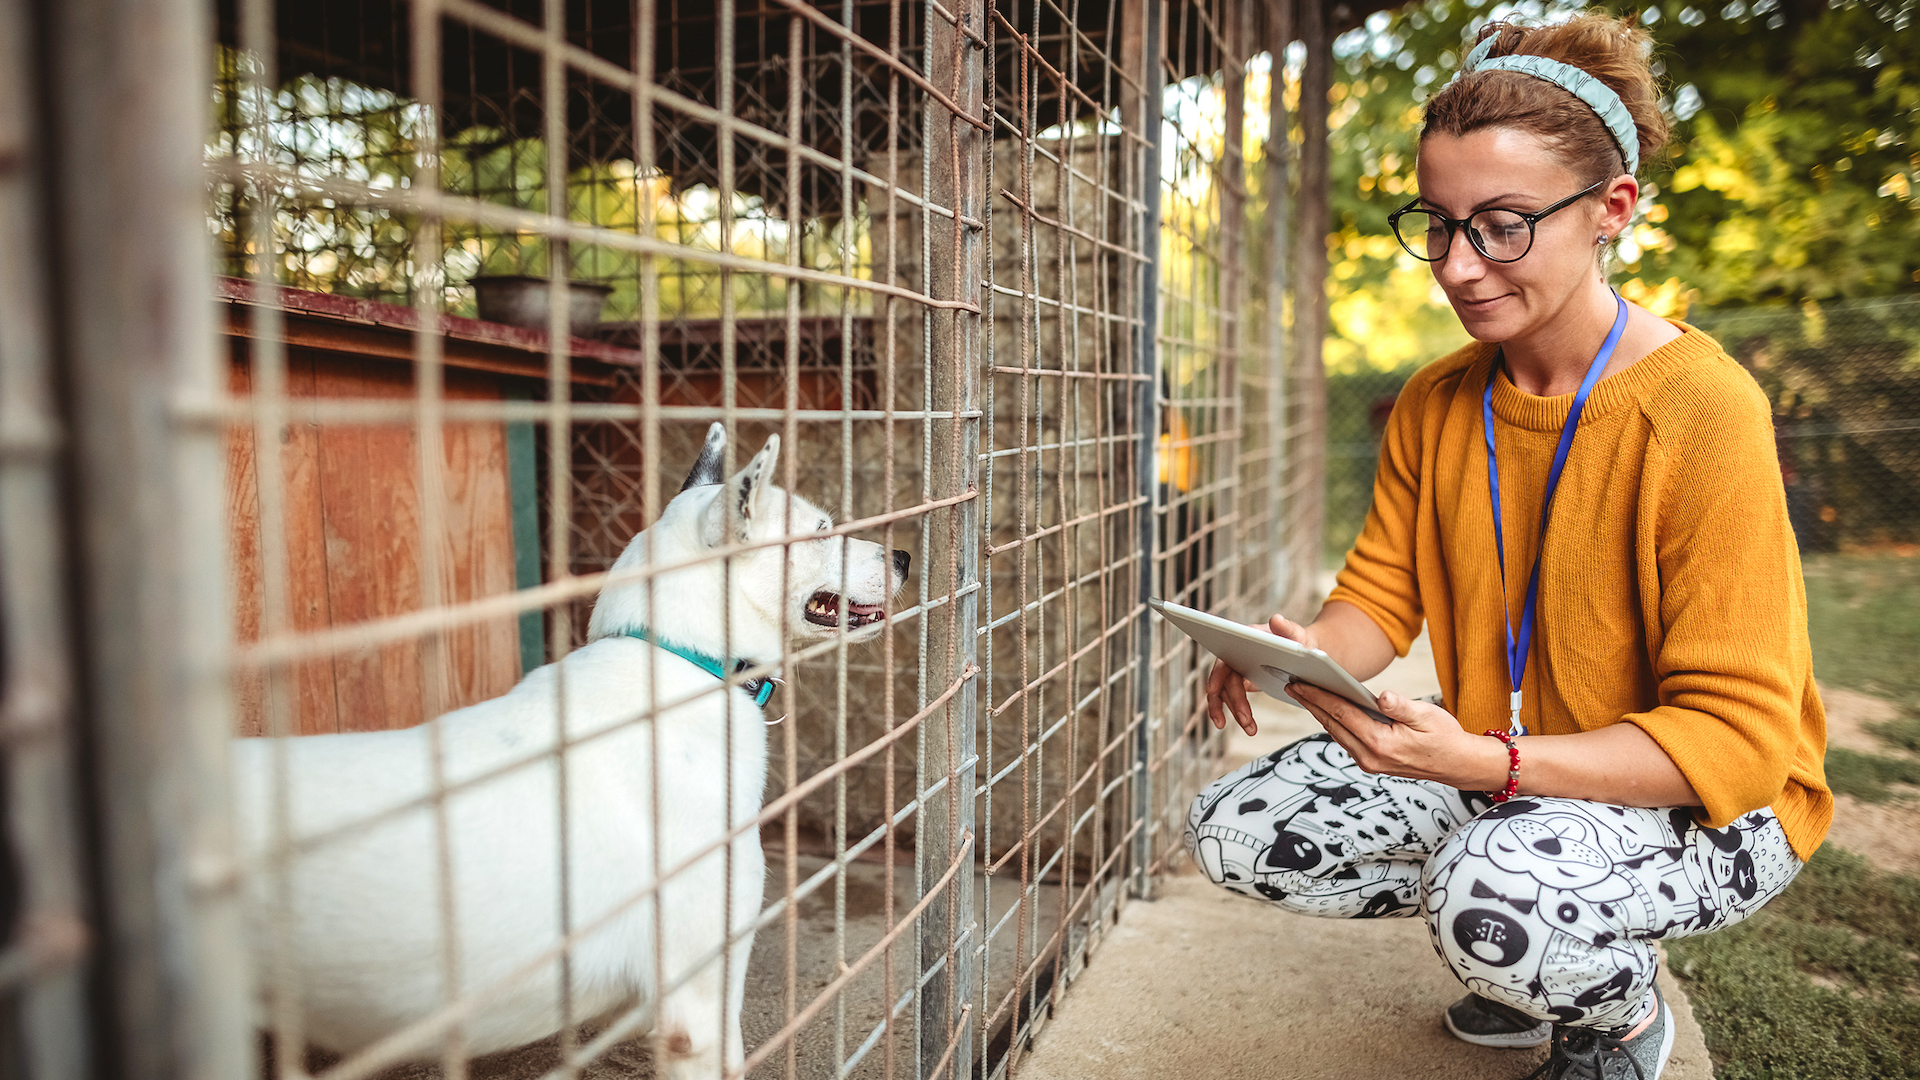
1720 579
1378 577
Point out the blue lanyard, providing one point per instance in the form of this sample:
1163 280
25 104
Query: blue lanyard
1519 645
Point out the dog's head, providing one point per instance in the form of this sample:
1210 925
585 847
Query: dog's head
816 587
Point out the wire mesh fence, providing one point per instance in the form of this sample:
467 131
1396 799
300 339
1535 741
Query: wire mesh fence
1358 403
1844 381
971 282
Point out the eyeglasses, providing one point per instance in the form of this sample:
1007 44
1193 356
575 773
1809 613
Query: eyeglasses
1502 235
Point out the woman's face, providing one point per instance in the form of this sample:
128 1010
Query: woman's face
1503 167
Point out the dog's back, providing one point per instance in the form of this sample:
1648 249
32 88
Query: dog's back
361 919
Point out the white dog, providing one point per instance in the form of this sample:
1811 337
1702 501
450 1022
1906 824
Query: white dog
356 923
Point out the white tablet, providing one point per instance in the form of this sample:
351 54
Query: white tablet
1268 659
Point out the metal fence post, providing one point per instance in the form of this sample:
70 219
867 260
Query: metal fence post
127 91
954 176
1146 362
1307 536
1279 210
43 970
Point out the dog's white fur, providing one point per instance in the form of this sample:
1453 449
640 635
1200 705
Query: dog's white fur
357 921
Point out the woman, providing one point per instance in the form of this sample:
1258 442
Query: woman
1585 509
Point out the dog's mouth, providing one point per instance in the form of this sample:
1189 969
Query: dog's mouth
823 609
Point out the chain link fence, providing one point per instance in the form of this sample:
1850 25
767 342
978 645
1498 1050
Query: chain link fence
1844 380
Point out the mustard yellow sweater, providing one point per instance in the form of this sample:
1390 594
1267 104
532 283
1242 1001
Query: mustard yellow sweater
1670 589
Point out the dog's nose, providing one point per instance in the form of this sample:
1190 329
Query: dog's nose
901 560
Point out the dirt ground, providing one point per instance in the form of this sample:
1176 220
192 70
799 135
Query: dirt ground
1885 834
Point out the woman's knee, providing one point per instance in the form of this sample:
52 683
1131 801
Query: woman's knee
1224 843
1481 917
1261 831
1237 826
1527 908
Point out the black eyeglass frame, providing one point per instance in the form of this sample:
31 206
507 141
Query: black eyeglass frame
1473 237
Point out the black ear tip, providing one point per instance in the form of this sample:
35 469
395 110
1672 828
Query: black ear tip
706 470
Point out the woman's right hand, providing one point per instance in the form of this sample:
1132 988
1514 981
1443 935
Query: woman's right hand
1227 691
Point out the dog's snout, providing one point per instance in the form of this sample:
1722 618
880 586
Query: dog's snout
901 560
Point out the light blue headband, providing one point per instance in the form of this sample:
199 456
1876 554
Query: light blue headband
1598 95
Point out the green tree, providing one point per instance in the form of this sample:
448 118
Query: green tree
1794 173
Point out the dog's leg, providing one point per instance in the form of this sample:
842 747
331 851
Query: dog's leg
689 1039
749 877
736 998
748 894
687 1043
698 1033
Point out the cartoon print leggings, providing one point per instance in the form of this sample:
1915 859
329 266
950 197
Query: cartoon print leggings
1548 905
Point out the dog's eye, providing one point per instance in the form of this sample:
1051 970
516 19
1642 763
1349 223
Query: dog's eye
823 526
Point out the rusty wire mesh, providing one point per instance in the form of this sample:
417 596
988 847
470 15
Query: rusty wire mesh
982 267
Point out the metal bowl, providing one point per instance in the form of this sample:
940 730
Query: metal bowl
518 300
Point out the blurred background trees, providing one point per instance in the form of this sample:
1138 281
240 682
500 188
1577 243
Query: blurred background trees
1785 216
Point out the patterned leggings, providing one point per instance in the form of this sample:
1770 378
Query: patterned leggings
1548 905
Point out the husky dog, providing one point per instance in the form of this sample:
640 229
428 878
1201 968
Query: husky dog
357 926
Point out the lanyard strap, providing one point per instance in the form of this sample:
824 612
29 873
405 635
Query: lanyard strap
1518 645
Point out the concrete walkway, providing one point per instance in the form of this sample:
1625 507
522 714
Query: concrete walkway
1200 984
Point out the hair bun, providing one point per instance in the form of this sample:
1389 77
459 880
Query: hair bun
1611 49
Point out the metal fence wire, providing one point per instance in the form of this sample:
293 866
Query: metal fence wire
486 274
1843 378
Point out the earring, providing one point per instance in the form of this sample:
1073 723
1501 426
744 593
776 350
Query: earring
1601 239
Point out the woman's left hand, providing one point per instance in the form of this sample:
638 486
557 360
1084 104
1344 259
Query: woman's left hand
1424 742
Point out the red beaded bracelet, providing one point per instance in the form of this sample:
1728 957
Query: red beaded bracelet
1513 765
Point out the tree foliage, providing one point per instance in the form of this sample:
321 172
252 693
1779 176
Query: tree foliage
1794 174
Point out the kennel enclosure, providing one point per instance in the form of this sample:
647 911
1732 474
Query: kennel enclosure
1004 277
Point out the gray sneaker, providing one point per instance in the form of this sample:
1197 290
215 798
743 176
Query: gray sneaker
1485 1022
1585 1054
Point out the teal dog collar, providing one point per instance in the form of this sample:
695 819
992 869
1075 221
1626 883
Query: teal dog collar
761 688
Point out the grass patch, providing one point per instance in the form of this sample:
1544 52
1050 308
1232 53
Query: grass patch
1868 776
1863 613
1822 984
1903 733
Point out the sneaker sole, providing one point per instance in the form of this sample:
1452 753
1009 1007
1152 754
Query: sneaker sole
1537 1036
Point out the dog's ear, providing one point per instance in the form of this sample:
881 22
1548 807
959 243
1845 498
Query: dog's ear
744 497
707 469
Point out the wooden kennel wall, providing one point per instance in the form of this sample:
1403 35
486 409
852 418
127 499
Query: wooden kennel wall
352 506
353 500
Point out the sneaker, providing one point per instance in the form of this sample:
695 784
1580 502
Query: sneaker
1485 1022
1586 1054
